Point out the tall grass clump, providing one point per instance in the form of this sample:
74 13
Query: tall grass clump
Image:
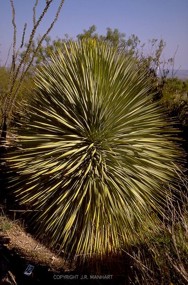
96 153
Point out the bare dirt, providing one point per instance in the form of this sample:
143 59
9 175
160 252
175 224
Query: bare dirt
18 249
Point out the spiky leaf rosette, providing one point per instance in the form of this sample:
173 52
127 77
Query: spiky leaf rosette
97 153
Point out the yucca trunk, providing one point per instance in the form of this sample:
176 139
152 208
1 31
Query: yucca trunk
97 153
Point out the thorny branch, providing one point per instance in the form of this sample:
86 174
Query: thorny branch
24 64
34 13
13 65
23 35
27 66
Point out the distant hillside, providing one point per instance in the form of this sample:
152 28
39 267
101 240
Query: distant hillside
181 74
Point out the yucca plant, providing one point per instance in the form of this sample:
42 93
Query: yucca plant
97 154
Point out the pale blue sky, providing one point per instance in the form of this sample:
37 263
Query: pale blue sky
166 19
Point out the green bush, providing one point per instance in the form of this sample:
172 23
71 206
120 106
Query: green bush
4 80
97 154
175 98
24 95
